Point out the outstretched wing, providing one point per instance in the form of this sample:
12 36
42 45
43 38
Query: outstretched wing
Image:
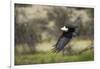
61 43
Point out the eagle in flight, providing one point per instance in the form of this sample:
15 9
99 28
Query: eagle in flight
68 31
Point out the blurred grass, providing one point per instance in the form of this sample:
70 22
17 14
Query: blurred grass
49 57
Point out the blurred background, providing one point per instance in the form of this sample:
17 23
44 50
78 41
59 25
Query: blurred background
37 29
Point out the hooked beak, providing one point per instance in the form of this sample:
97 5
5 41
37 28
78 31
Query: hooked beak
64 29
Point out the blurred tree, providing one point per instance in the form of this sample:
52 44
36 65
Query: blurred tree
34 22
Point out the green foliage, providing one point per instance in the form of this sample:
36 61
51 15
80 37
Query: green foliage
48 57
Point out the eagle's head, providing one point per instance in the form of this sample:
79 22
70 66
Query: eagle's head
64 28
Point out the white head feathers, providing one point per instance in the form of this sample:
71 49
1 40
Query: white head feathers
64 29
